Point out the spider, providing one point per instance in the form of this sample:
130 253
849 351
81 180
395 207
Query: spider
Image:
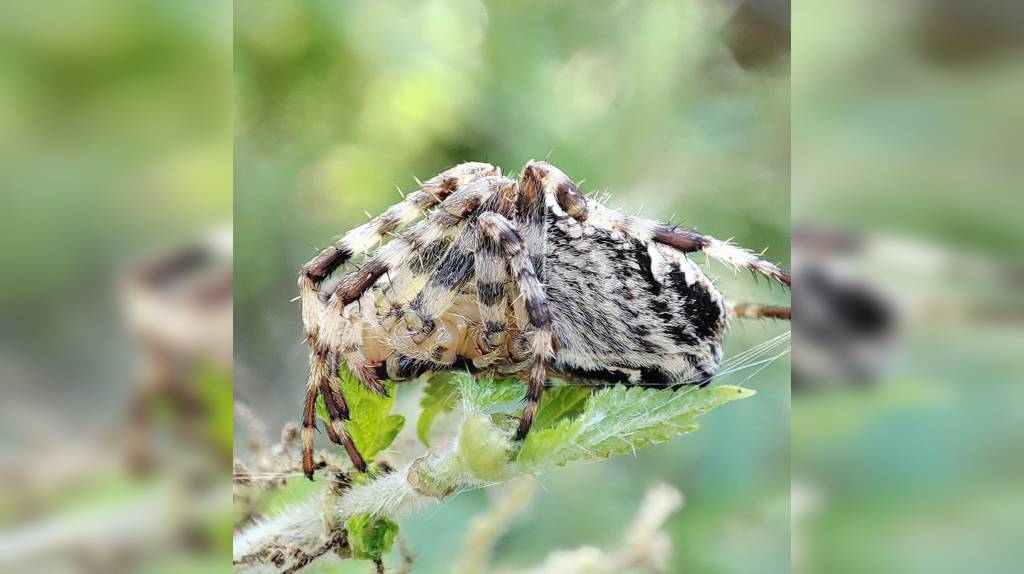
519 277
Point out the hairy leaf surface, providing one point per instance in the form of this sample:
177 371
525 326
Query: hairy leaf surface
618 420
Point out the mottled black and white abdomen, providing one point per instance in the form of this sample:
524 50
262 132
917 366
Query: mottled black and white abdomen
629 311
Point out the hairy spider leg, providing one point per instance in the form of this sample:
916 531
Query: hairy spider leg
440 226
323 381
500 248
558 186
684 240
329 335
308 425
526 207
492 281
531 215
365 237
499 235
460 264
455 269
755 311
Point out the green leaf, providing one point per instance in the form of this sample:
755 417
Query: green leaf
370 537
618 420
484 447
482 394
560 402
440 396
371 424
444 392
541 447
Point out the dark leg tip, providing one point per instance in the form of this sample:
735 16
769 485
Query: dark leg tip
524 428
354 455
375 385
307 465
359 463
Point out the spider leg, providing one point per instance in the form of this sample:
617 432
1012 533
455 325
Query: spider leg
323 381
530 219
439 226
492 294
499 235
337 411
685 240
363 238
456 267
308 426
754 311
531 216
557 185
688 240
399 254
452 215
523 245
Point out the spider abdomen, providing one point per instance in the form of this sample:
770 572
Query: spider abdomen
629 311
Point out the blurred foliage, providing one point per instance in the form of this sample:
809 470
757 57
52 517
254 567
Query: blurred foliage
907 125
214 386
899 131
115 143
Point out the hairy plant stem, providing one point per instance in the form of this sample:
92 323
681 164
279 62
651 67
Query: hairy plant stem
304 529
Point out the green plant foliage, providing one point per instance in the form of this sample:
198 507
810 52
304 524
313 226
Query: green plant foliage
372 426
484 447
370 537
483 393
618 420
443 393
561 402
214 386
440 396
574 423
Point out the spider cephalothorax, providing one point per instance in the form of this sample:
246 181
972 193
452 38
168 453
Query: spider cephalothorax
519 277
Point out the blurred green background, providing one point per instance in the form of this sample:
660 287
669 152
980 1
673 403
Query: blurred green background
115 146
679 108
907 130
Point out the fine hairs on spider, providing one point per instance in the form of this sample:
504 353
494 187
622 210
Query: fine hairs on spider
515 277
